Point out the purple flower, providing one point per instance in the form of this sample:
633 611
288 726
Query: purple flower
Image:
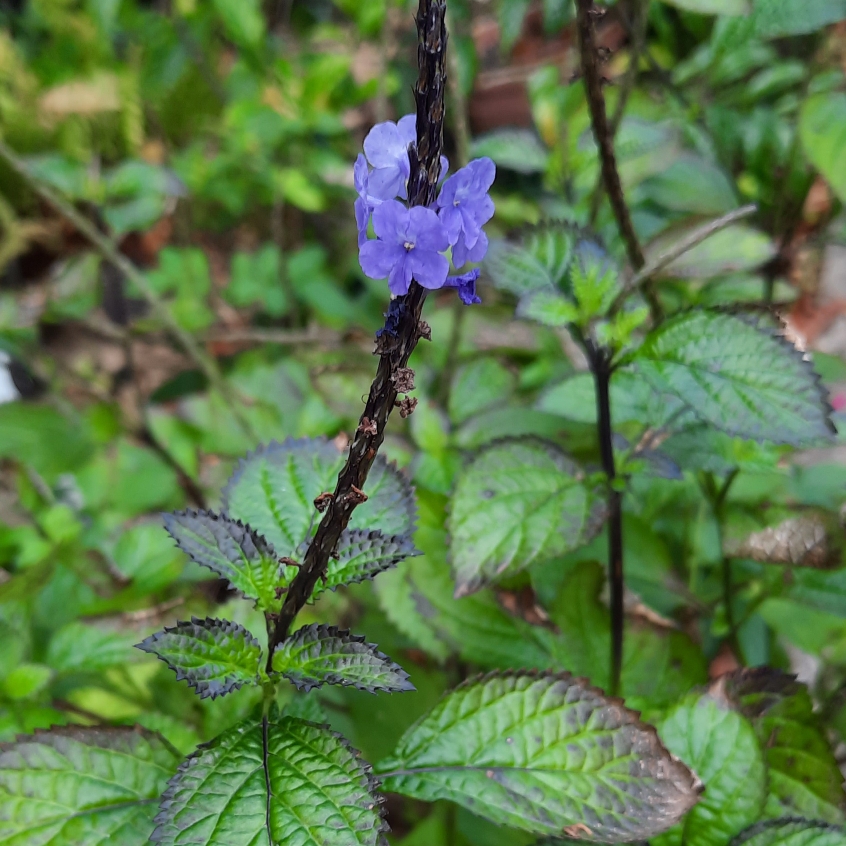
464 207
409 244
363 205
386 148
466 284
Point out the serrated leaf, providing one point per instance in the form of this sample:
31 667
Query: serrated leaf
721 747
271 782
738 374
552 243
363 554
231 549
544 753
215 657
518 502
319 654
274 488
73 785
802 773
822 129
701 447
791 832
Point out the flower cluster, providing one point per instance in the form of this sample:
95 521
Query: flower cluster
413 243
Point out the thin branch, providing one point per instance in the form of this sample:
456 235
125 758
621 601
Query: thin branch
398 340
601 132
110 252
693 239
601 368
637 27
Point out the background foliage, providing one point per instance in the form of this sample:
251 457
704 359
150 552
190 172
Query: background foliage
213 142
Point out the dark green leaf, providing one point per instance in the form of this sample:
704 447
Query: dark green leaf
513 268
79 647
91 786
791 832
362 555
804 779
544 753
737 373
260 784
779 18
319 654
720 746
232 550
215 657
516 503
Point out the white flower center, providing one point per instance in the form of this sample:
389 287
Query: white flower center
409 245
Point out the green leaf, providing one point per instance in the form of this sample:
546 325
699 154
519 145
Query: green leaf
692 184
243 21
734 249
418 599
541 261
513 268
512 13
518 502
519 150
274 488
26 681
779 18
633 399
791 832
479 385
803 778
232 550
545 753
739 374
255 280
362 555
80 647
713 7
721 747
549 308
215 657
319 654
271 782
92 786
822 129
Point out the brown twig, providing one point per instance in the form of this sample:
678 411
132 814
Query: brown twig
636 26
604 141
401 334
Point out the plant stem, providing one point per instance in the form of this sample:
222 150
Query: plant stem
637 34
717 497
394 348
106 247
604 141
601 367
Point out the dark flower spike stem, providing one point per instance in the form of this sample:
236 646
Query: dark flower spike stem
586 12
398 341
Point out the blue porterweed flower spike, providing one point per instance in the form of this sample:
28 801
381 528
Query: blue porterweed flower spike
409 244
464 207
466 284
386 148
